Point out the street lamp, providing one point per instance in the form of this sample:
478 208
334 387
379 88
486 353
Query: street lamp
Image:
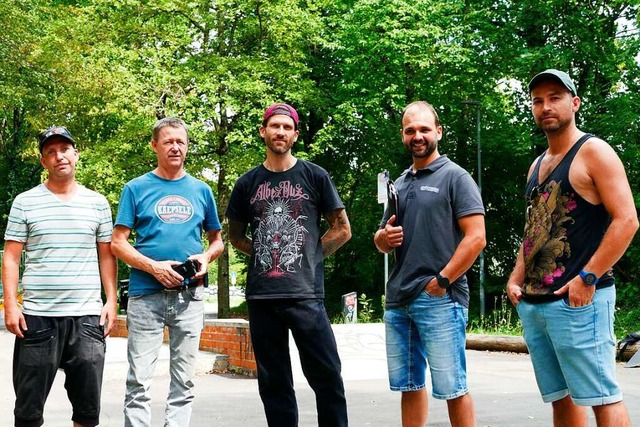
481 256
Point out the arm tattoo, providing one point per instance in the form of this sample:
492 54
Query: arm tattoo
338 234
239 238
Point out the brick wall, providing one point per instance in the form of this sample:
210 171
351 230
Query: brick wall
230 337
223 336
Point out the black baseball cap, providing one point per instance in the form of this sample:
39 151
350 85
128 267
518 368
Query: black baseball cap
553 74
53 131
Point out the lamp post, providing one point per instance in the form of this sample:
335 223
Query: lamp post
481 256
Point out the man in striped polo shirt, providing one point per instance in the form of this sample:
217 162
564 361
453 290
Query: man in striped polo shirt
65 230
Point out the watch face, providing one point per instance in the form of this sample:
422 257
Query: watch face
589 278
443 282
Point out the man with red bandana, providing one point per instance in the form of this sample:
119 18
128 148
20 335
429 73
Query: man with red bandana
282 202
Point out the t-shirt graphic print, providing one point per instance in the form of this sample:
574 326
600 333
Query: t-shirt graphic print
280 235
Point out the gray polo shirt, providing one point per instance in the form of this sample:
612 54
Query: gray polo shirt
431 202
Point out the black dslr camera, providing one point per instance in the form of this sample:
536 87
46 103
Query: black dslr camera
187 269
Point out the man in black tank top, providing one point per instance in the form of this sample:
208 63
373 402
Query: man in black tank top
580 220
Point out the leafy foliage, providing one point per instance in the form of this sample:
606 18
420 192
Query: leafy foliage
108 69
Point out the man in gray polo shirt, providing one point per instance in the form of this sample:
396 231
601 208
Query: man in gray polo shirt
442 216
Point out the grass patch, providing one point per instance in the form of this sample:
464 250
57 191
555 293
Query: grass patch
627 321
501 321
234 301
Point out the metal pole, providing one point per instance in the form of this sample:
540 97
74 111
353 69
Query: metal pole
481 256
386 265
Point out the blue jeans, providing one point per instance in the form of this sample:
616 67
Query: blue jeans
573 349
74 344
270 322
429 329
183 313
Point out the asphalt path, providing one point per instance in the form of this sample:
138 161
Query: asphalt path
502 385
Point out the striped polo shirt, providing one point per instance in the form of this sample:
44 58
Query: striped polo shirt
61 276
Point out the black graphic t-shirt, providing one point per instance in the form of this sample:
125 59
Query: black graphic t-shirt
562 231
284 211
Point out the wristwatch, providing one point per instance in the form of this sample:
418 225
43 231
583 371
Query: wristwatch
589 278
443 282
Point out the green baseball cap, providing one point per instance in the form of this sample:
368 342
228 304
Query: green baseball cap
557 75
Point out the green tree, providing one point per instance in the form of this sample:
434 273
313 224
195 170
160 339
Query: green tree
215 65
107 69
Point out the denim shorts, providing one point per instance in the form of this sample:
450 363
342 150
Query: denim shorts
573 349
429 331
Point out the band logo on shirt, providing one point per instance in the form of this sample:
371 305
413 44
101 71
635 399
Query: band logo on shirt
284 190
174 209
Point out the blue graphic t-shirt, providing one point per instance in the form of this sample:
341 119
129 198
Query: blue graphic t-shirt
284 211
168 218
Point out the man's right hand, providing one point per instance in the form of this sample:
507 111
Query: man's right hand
14 321
392 235
514 292
166 275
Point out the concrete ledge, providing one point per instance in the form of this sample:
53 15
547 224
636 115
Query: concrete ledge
224 344
227 322
116 365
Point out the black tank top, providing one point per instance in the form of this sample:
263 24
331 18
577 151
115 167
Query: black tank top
562 231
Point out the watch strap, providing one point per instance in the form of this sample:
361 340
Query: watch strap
443 282
589 278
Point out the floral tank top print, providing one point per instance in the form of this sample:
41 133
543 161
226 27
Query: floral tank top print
562 229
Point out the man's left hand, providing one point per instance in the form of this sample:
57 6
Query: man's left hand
580 294
108 317
203 259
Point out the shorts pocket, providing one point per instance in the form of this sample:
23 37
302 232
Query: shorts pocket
36 348
565 304
434 296
39 338
95 332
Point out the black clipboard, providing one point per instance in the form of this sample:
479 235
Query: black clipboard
393 204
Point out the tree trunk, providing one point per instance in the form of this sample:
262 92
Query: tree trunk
628 352
223 280
223 260
481 342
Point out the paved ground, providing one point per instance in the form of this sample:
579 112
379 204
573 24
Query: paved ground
502 385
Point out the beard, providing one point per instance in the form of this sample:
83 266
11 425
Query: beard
553 127
280 148
421 151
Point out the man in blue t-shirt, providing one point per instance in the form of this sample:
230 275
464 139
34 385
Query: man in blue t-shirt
169 211
282 201
437 236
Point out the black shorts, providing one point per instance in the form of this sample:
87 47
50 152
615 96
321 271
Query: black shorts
74 344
